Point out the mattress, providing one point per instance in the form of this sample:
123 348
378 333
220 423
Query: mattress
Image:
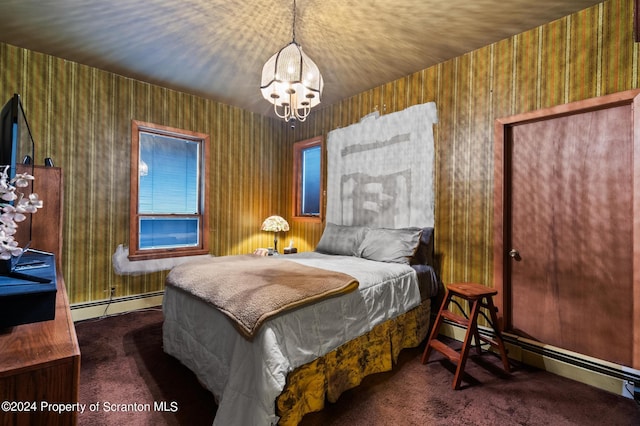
246 377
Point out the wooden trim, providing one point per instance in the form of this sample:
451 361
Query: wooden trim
503 296
74 370
607 101
134 252
636 230
162 254
501 227
298 147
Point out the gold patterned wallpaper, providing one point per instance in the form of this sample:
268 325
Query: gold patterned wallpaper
587 54
81 117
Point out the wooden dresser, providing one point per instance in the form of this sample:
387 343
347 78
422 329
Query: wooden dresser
40 362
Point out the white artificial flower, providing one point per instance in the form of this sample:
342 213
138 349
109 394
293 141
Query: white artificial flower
22 180
8 248
29 205
34 200
10 214
9 196
6 229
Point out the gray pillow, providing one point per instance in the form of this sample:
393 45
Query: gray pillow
341 239
390 245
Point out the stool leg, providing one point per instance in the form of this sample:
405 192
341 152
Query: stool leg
436 328
494 319
476 332
472 330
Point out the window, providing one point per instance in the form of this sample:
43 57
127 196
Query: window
168 192
308 191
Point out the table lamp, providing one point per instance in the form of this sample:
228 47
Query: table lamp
275 224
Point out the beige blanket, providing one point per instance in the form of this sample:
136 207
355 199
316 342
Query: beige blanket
251 289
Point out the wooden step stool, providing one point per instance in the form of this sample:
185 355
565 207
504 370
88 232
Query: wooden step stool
478 296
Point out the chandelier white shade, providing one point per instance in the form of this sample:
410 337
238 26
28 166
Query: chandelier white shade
291 81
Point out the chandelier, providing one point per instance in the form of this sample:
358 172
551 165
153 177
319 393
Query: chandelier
291 81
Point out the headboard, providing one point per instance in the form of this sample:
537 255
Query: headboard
380 171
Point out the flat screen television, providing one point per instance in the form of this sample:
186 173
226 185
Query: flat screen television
16 151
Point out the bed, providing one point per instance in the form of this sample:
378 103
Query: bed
292 362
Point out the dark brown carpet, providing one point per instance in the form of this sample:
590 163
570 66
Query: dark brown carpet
123 363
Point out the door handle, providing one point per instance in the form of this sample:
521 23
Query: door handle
515 254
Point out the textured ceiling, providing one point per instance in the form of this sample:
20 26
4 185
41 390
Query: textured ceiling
216 48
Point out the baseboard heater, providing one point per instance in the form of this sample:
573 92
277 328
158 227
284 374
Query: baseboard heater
572 359
575 360
98 308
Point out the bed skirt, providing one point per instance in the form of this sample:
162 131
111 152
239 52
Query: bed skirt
327 377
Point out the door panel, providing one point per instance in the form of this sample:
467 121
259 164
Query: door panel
571 221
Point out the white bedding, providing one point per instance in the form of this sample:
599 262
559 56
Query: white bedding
247 377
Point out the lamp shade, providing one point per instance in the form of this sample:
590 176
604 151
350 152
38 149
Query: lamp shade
291 81
275 224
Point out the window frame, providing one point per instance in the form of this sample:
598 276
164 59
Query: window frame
135 253
298 148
